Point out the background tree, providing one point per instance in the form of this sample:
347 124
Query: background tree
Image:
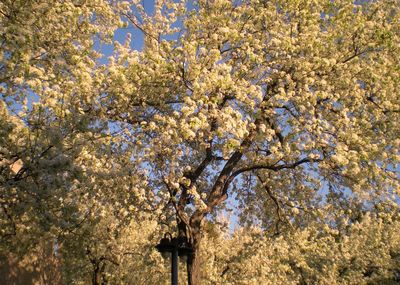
60 163
46 58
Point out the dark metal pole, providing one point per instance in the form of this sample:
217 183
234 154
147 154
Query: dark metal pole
174 266
188 267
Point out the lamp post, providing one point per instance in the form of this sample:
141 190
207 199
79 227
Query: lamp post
177 246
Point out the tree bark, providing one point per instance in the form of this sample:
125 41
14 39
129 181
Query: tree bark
193 262
96 276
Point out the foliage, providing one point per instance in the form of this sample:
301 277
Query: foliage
365 252
288 108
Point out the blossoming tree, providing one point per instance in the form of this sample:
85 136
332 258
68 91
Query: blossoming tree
67 186
286 98
284 105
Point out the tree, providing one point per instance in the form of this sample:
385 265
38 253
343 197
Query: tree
286 105
43 62
56 156
114 250
68 189
287 98
365 252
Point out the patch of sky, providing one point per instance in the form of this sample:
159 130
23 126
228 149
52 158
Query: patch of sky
137 36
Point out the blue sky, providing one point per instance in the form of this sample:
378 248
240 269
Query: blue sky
121 33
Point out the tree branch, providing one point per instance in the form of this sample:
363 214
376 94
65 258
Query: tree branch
275 167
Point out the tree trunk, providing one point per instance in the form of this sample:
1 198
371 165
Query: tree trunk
193 264
96 276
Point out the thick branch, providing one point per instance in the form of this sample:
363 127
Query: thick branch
274 167
219 190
